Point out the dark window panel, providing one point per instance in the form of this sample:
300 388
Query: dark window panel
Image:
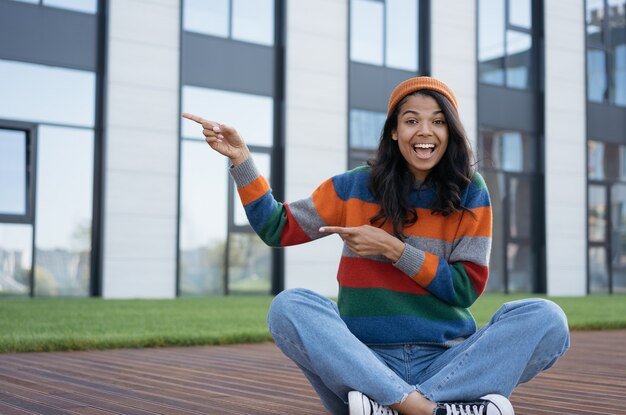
598 270
597 213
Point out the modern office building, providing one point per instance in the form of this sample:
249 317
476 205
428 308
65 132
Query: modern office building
105 191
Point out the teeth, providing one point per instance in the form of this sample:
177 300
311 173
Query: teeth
424 146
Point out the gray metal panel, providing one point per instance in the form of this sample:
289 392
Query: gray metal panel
606 123
227 64
371 86
47 35
507 108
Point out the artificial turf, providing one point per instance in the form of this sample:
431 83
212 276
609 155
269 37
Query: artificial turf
78 324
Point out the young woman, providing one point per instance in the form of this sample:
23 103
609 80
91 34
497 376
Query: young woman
416 225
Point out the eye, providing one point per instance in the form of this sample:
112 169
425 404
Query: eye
439 122
411 121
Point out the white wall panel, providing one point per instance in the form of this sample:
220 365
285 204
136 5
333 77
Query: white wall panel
565 141
141 131
316 124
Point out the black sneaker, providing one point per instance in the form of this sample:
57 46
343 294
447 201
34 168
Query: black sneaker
487 405
362 405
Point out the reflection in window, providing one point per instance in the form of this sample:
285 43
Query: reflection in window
262 162
598 270
64 211
520 13
505 43
595 21
16 255
13 167
618 237
366 128
385 33
497 191
203 219
366 31
520 266
47 94
511 151
401 39
197 14
518 48
597 213
85 6
249 264
253 115
619 75
520 206
596 75
251 20
491 41
595 162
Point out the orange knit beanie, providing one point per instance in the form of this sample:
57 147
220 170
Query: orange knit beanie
415 84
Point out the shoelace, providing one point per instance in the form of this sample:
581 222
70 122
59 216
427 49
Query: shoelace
378 409
459 409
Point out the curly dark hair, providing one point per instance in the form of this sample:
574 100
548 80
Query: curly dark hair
391 181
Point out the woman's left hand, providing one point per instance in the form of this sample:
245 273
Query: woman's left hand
366 240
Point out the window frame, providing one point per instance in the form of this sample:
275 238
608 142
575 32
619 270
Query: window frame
31 172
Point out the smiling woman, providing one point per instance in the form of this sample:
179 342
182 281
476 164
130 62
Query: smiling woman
416 226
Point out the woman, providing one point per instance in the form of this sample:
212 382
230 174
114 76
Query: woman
416 226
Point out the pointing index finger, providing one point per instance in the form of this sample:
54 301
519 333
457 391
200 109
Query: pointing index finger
199 120
335 229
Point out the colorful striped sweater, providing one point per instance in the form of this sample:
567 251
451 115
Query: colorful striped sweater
421 298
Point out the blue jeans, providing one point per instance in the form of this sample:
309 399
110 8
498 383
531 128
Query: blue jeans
523 338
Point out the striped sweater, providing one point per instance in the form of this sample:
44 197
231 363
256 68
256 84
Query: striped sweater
421 298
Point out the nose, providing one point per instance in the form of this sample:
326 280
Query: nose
424 128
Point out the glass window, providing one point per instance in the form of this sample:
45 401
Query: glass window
508 150
619 75
253 21
597 213
16 257
596 75
598 270
262 162
366 128
402 37
64 211
520 13
253 115
491 41
47 94
13 176
198 13
520 207
366 31
618 234
497 190
518 47
595 22
85 6
520 266
595 162
203 219
28 1
249 264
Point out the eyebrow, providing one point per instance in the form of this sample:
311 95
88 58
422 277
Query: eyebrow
417 113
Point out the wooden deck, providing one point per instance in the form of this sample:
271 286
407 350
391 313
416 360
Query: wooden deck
258 379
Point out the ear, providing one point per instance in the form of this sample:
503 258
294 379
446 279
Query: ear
394 135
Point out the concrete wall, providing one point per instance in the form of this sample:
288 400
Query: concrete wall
316 139
141 161
565 140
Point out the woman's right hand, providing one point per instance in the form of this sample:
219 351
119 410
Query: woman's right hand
223 139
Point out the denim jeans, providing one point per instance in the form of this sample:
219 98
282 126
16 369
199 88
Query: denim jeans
523 338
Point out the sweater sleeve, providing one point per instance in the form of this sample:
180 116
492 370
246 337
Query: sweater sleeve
462 278
283 224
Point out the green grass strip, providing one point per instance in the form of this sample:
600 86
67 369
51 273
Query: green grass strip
28 325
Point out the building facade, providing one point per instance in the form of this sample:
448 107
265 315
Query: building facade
106 191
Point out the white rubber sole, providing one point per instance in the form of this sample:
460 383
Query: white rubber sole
499 406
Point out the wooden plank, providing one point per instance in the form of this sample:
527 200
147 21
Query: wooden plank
257 379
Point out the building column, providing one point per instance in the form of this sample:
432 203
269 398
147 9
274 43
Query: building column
453 55
565 141
316 130
141 149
